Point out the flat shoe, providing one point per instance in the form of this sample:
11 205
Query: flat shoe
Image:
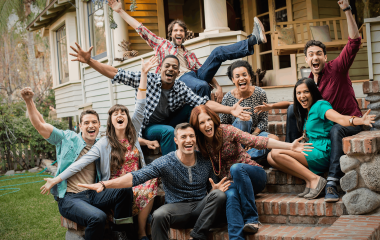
306 191
249 228
316 191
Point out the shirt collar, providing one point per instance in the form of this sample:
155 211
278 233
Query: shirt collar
183 47
84 142
175 87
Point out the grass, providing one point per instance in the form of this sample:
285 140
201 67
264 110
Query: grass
27 214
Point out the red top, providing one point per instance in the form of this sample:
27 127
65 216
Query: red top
335 84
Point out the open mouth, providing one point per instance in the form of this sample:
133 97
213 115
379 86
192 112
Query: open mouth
303 102
208 131
178 38
188 146
316 66
243 84
91 132
169 75
120 120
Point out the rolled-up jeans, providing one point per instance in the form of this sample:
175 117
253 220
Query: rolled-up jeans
241 207
246 127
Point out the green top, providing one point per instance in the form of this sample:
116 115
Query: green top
318 127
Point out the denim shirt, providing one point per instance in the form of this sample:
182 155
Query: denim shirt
68 145
100 153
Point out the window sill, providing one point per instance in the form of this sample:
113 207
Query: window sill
102 60
66 84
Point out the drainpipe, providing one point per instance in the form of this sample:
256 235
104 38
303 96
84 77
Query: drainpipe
79 20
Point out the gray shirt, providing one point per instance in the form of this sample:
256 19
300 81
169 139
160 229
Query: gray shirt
162 112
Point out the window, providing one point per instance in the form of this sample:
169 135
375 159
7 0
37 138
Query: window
266 11
63 64
96 27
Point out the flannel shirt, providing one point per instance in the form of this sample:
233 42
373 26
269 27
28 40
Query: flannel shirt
179 94
164 47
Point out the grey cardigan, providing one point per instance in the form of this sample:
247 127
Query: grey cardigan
101 151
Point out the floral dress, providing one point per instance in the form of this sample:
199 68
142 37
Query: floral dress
143 193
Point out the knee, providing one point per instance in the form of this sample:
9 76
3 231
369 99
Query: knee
218 196
290 112
272 136
275 154
168 132
218 50
98 219
235 169
159 215
202 85
231 193
125 193
336 132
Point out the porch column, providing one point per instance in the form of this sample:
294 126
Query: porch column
120 33
215 16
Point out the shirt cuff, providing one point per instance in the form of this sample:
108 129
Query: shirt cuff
116 78
139 28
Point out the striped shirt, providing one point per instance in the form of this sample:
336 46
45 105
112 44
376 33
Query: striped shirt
164 47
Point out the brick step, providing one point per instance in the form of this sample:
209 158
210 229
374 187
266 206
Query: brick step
285 208
280 182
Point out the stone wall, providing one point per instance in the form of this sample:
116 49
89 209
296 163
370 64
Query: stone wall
361 166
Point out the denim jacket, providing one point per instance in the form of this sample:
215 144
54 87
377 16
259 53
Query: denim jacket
100 153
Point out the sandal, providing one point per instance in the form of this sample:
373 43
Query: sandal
306 191
316 191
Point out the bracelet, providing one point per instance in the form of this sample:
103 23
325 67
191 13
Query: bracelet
351 121
142 89
104 186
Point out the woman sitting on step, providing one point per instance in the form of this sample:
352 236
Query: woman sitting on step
319 117
222 144
241 74
119 152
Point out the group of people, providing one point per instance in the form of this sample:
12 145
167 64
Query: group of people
207 169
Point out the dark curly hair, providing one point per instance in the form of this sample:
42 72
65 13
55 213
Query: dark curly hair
314 43
237 64
171 26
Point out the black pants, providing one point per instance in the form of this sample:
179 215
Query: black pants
337 133
199 215
87 209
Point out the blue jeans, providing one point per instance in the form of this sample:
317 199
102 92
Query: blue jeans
337 133
198 81
246 127
87 209
164 132
241 207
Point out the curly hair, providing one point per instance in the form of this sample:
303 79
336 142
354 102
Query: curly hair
237 64
314 43
181 24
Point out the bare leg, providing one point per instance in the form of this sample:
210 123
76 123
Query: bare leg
298 164
273 137
285 169
142 217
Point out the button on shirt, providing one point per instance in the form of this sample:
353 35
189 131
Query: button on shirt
179 94
68 146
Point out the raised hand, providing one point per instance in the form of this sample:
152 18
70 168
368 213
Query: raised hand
222 185
151 63
239 111
262 108
27 93
153 144
301 147
81 55
50 182
115 5
368 119
98 187
343 4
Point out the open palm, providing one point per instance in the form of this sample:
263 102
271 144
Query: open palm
81 55
115 5
239 111
301 147
151 63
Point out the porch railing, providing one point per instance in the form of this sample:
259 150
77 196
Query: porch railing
302 34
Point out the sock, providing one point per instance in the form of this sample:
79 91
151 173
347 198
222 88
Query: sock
252 40
331 183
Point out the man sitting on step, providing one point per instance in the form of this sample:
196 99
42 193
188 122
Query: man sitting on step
191 202
335 86
195 75
85 207
169 101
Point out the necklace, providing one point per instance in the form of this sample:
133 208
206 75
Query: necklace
217 173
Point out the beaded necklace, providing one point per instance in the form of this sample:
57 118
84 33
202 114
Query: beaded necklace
212 162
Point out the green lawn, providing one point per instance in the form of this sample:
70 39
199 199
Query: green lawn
27 214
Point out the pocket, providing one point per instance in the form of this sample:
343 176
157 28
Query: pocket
69 154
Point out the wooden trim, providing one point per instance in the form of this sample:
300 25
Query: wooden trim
289 6
369 49
161 18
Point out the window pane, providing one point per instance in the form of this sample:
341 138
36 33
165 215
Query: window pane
279 3
281 16
284 61
97 29
63 63
266 46
261 6
265 20
266 61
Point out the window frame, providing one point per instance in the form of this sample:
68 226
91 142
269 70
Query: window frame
90 38
61 29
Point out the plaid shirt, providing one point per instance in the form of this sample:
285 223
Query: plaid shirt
179 94
164 47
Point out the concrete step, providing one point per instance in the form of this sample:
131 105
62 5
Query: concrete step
285 208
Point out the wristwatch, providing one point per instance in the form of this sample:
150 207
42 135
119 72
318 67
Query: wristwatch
347 8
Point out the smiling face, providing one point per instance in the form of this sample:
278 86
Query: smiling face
186 140
316 59
304 96
169 72
178 34
241 79
206 125
89 127
119 120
